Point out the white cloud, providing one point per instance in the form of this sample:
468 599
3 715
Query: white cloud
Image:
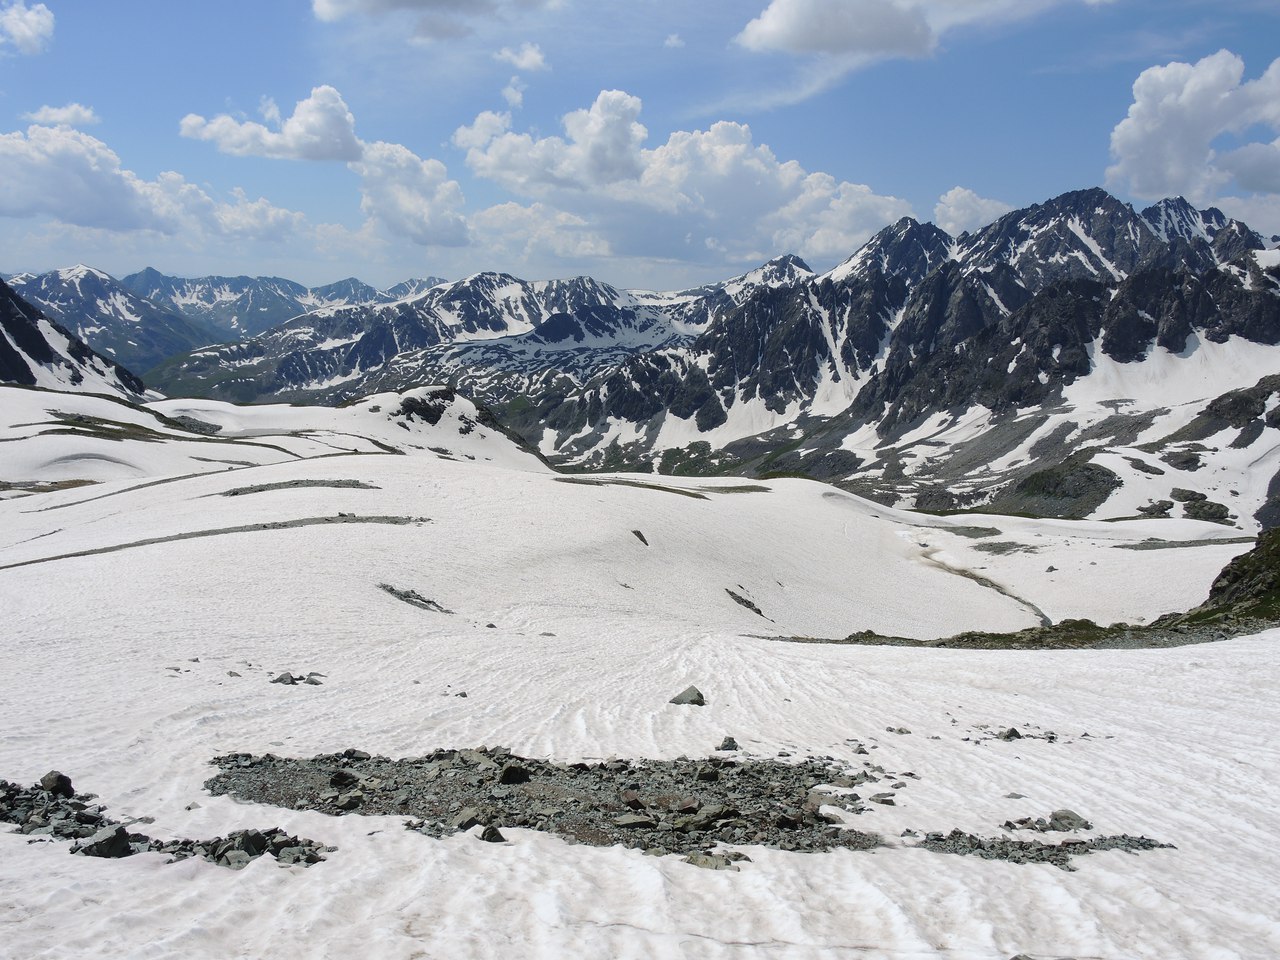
860 27
320 128
28 28
269 110
1166 143
411 197
703 193
77 179
603 146
432 19
528 58
673 42
536 233
836 37
960 210
513 93
72 115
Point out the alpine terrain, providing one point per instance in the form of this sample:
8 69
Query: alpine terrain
925 607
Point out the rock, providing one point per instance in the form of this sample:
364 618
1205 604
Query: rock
285 678
344 778
1182 495
690 696
728 743
492 834
57 783
1010 734
514 773
633 821
1066 820
465 819
349 801
710 861
631 798
884 798
707 774
352 754
110 842
235 859
901 731
640 537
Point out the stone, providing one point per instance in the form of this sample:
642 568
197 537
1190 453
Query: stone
633 821
465 819
1010 734
631 798
1066 820
57 783
286 678
514 773
707 774
710 861
492 834
110 842
728 743
344 778
690 696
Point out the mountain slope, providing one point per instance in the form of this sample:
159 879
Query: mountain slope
110 318
36 351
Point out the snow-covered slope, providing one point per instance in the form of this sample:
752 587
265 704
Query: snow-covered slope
146 615
35 351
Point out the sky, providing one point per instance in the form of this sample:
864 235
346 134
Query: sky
648 143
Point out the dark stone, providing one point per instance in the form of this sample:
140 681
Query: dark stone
691 696
514 773
492 834
110 842
286 678
57 783
728 743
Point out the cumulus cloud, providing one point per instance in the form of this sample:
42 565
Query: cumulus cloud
320 128
673 42
513 93
75 178
411 197
702 194
528 58
1166 143
433 19
960 210
835 37
29 29
868 27
536 232
602 146
72 115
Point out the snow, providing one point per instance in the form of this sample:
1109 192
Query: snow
595 631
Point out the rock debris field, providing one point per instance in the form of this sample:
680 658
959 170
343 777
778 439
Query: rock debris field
51 810
698 808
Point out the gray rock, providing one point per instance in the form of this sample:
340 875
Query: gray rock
1066 820
286 678
690 696
633 821
728 743
110 842
465 819
710 861
514 773
492 834
57 783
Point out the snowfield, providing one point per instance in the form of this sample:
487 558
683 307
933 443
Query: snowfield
129 603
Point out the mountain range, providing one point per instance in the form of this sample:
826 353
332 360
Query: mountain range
1072 357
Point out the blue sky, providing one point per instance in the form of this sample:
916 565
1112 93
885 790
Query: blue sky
649 143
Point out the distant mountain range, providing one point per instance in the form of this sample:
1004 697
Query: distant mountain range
1040 364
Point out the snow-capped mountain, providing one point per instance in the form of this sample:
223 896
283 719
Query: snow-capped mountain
241 307
111 318
36 351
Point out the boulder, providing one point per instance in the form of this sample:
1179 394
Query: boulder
690 696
